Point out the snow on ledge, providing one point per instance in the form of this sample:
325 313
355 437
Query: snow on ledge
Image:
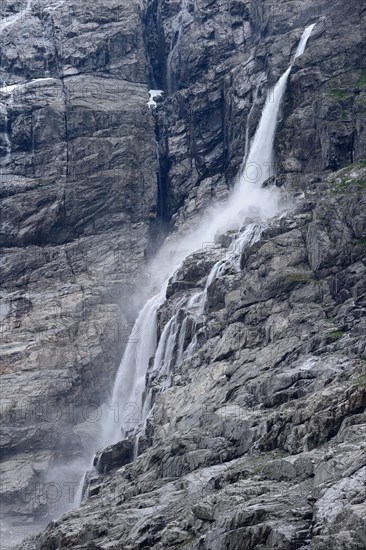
7 90
153 94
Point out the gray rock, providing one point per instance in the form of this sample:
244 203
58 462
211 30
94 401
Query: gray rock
254 443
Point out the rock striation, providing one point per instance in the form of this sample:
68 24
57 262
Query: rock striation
259 440
79 199
219 87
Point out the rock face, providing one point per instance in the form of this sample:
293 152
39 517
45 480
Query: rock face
259 441
79 197
218 86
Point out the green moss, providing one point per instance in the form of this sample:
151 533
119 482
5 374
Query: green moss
336 335
360 183
344 184
362 81
360 381
338 94
361 242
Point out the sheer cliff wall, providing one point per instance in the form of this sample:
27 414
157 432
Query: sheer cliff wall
86 197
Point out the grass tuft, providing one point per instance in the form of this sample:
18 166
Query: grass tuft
362 81
336 335
338 94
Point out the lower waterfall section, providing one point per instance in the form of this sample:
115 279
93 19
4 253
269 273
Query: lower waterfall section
172 349
149 358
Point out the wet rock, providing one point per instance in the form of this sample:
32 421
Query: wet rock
113 456
252 445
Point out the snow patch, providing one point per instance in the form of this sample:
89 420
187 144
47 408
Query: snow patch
153 94
7 90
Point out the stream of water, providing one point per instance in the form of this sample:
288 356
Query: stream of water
248 200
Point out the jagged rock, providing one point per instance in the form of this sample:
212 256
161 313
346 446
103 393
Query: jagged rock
254 438
78 197
113 456
261 443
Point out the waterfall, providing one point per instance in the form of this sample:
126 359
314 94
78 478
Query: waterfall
130 381
149 358
5 134
170 351
304 40
247 129
247 198
5 137
182 19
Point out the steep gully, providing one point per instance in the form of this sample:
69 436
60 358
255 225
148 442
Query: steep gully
245 213
7 91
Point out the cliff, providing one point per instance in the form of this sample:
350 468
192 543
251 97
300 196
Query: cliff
258 442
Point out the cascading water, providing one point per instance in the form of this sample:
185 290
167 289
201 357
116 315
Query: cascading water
130 380
304 40
5 136
171 350
5 133
182 19
247 200
247 130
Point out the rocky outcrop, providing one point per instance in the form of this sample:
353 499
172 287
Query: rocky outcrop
259 439
219 86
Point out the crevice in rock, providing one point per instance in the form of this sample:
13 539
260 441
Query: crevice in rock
58 232
155 53
155 44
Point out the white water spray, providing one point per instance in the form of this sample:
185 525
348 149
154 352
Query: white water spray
248 199
130 381
304 40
